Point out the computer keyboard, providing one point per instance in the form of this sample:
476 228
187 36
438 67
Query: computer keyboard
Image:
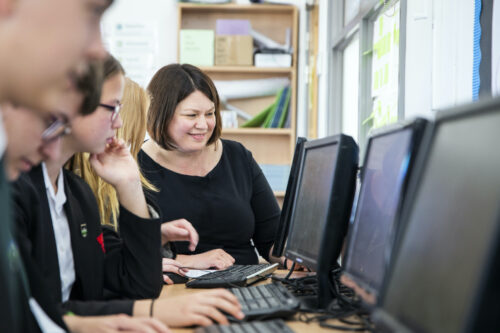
266 301
272 326
234 276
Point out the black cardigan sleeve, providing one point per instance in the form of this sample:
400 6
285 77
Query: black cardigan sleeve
133 258
265 208
98 308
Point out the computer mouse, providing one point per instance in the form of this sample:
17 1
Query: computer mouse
176 278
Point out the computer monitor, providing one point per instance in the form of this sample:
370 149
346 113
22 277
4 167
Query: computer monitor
387 165
322 206
446 268
286 210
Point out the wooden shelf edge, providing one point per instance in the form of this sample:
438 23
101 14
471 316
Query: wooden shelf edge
233 7
247 69
257 131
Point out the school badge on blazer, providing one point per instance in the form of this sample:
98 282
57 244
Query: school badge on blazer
83 229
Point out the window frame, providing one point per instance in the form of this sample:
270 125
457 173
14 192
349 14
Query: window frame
341 36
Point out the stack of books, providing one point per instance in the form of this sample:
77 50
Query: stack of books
276 115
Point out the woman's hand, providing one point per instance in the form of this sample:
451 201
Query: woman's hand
284 262
217 258
287 264
203 308
116 165
114 323
179 230
172 266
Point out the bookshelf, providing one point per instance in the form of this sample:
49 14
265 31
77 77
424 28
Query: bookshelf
268 145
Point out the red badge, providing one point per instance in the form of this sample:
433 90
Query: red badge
100 240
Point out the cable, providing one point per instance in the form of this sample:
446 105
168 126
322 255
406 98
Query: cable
290 271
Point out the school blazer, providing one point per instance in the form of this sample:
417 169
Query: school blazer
15 288
128 264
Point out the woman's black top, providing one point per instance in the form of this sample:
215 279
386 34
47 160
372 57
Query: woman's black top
230 207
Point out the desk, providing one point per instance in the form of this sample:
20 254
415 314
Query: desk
180 289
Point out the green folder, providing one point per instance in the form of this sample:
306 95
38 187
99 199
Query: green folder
275 105
265 117
259 119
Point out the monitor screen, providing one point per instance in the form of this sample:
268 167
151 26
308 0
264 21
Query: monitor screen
286 211
450 227
312 202
384 173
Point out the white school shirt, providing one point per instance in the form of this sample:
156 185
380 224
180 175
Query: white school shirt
44 322
61 232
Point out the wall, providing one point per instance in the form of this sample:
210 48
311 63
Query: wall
164 13
438 55
161 12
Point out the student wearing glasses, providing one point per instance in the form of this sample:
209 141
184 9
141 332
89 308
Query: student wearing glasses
45 47
136 102
80 259
33 137
72 264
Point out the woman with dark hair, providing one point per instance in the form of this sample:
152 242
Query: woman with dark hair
213 183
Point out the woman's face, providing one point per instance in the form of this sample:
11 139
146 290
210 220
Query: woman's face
193 122
91 133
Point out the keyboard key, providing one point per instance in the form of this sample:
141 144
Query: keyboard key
273 326
263 304
246 293
250 328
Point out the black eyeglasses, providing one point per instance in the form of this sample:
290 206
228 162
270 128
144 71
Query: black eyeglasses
113 108
57 128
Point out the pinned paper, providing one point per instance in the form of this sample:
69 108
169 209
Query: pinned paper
197 47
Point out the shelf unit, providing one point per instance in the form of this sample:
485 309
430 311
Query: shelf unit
268 146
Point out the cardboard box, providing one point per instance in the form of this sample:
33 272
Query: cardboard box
233 50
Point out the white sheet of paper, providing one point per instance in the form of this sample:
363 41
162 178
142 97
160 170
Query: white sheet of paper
194 273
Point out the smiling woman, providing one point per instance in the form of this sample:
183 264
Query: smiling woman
214 184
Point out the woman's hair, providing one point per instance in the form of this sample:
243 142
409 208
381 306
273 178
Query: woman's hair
134 112
90 85
168 87
105 194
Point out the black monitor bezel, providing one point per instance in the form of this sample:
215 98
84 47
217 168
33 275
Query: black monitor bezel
339 210
386 321
286 210
417 128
